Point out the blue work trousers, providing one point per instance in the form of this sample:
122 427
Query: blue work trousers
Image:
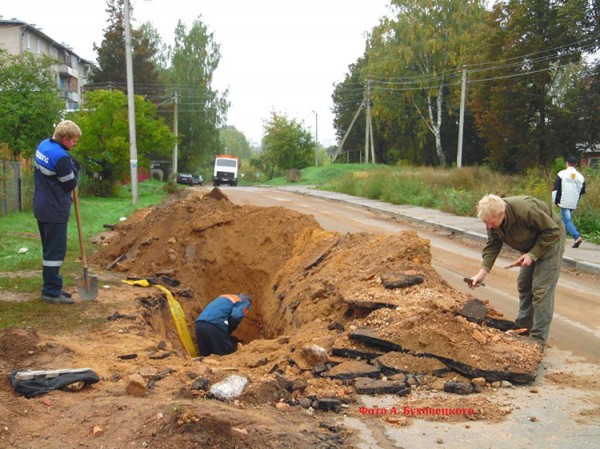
54 249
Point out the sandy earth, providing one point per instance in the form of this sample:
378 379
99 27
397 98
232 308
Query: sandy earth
312 288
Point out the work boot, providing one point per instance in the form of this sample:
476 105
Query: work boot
61 299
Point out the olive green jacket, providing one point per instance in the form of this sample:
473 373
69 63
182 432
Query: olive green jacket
530 226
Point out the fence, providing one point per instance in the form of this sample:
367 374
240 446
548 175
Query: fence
10 187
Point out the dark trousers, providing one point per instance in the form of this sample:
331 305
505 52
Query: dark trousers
212 340
54 249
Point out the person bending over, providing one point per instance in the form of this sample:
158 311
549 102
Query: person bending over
218 321
531 227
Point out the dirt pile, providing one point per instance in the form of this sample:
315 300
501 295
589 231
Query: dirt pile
312 286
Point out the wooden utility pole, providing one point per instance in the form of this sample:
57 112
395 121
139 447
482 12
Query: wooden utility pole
367 121
461 123
133 160
175 168
369 140
339 149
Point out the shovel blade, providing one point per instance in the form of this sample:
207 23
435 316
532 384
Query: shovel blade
87 289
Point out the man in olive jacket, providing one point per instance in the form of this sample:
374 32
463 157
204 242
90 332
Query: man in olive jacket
531 227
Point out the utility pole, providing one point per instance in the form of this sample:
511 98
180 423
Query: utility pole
461 123
316 139
133 161
367 120
339 149
369 141
176 132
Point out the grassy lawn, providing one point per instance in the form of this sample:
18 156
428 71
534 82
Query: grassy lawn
21 256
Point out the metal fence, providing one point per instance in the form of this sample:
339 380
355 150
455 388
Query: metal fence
11 198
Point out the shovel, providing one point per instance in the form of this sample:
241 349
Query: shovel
87 287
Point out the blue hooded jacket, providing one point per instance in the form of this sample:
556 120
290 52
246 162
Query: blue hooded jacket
226 311
55 177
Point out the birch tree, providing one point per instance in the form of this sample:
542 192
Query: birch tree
417 56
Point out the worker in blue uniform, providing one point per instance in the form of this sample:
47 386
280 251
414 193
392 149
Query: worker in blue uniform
217 322
55 177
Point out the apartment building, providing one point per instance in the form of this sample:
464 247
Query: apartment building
72 71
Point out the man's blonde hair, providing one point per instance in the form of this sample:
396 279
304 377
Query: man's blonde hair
67 129
490 206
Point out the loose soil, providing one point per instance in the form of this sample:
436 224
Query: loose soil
312 289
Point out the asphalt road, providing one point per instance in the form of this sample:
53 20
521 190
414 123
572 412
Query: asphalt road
574 344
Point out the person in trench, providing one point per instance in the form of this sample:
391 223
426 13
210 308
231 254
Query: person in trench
218 321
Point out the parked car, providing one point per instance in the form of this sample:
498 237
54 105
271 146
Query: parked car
185 178
198 179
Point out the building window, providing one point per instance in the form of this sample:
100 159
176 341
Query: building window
28 41
38 46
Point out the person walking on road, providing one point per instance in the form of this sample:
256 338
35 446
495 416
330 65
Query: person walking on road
218 321
569 185
531 227
55 177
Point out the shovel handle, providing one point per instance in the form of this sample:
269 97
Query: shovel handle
79 229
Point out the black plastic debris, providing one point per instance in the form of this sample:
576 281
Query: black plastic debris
35 383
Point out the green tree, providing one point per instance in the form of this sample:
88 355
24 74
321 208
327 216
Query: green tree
111 54
235 142
202 109
286 144
414 61
104 144
519 99
29 101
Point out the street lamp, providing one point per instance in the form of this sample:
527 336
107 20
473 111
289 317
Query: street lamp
133 162
316 139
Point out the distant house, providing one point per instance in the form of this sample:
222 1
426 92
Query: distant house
590 154
18 37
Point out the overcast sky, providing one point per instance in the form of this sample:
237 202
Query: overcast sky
276 55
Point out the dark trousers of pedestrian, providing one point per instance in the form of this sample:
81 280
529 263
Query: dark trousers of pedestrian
212 340
54 249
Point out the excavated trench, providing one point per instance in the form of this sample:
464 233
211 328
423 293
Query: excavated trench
369 296
201 246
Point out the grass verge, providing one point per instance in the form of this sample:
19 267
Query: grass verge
21 257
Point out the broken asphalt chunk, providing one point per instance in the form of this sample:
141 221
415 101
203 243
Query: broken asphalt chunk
462 388
400 280
329 404
171 282
352 369
376 386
